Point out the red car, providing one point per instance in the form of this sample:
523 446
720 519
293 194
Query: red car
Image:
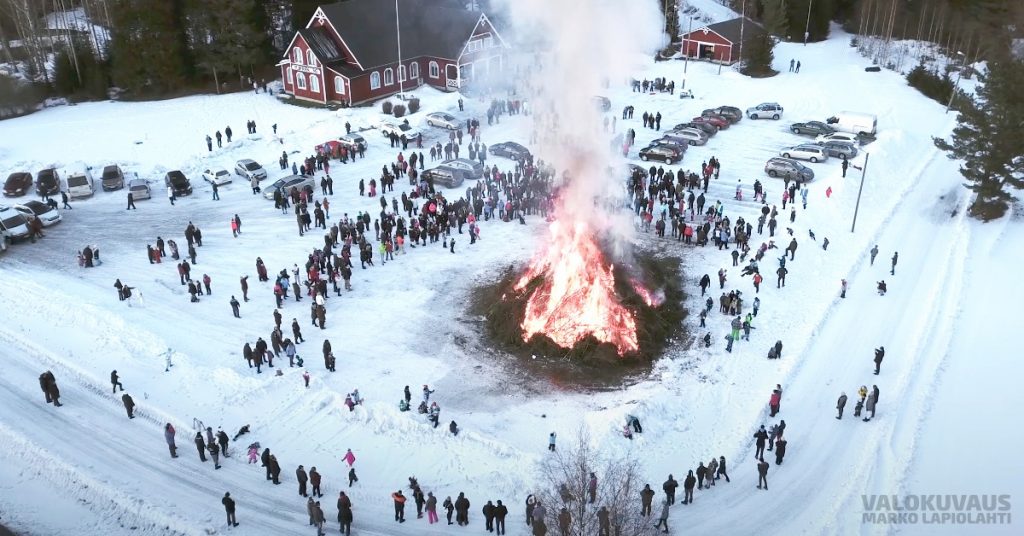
328 146
717 121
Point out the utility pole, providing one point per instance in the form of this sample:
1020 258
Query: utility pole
863 172
398 33
807 27
686 47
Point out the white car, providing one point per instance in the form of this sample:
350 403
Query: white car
47 214
765 110
399 129
688 135
249 169
218 176
839 136
813 153
139 189
443 120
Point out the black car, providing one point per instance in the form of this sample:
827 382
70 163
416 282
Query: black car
663 153
179 182
812 128
732 113
17 184
48 182
679 145
509 149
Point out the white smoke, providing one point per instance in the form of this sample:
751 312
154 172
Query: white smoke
576 50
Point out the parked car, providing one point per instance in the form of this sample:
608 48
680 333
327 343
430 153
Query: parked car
712 113
813 128
139 189
353 141
47 214
473 169
707 128
399 129
13 223
688 135
602 103
250 169
720 122
679 145
179 182
287 183
839 136
80 183
17 184
113 178
807 151
509 149
663 153
48 182
218 176
443 120
732 113
790 169
765 110
444 176
839 149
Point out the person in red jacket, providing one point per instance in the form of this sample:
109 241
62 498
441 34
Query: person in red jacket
399 506
775 401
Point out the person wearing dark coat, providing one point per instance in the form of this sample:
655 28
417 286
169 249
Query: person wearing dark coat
564 520
115 382
762 473
449 508
300 475
345 513
488 511
669 487
129 405
500 511
840 405
761 436
229 508
688 484
780 450
646 498
201 446
604 525
721 469
314 482
462 510
296 331
399 506
222 438
701 473
214 453
879 355
265 461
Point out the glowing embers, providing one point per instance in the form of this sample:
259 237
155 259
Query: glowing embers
576 294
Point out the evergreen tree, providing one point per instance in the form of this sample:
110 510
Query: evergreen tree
987 138
774 17
147 47
302 11
228 39
758 55
88 80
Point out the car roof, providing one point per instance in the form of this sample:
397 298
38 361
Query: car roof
36 203
246 161
18 174
351 136
137 182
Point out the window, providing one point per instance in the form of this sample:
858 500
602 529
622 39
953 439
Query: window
414 70
310 57
489 42
339 85
300 80
291 76
374 80
314 83
434 70
389 76
401 73
474 45
297 56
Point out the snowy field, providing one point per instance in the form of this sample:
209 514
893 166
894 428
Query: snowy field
85 468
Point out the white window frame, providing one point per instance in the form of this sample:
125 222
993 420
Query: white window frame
488 42
389 76
300 80
374 80
339 85
434 70
401 73
310 58
291 76
414 70
314 83
297 56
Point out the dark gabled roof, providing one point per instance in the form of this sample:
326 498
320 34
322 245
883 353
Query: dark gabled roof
427 29
730 29
321 44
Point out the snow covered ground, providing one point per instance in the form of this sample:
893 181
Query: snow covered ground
947 374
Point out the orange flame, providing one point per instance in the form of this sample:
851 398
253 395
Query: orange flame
577 296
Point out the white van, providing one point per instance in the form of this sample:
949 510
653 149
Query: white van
80 182
13 223
856 123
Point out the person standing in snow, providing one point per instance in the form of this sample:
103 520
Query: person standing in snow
200 446
895 257
214 453
234 307
300 475
314 482
688 484
488 511
669 487
229 507
169 438
646 498
129 405
500 511
879 355
721 469
762 474
349 458
874 253
115 381
840 405
774 402
870 406
345 513
761 436
352 478
399 500
462 510
551 442
663 518
431 508
222 438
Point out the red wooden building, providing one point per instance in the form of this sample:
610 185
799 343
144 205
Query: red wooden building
720 42
348 52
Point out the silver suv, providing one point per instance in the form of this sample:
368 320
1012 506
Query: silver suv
788 168
765 110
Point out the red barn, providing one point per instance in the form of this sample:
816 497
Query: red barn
348 52
720 42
